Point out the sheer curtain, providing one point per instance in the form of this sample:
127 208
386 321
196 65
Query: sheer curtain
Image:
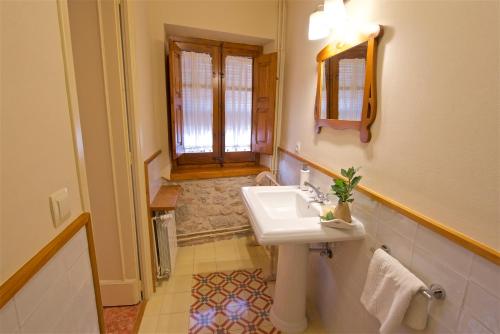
197 101
238 103
351 88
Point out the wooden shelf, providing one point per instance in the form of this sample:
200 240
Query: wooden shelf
215 172
166 198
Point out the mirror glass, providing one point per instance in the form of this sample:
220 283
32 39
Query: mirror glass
343 84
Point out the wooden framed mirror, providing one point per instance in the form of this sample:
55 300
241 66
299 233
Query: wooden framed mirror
346 95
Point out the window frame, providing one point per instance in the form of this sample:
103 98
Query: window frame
219 51
241 50
214 52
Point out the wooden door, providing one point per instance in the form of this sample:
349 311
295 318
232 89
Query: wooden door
176 101
264 100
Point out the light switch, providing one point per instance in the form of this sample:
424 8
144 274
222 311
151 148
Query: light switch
60 206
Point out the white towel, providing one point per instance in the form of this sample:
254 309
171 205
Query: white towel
389 292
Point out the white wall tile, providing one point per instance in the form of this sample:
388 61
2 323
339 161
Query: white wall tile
431 271
446 311
81 272
364 202
48 313
472 284
9 322
59 298
436 327
72 250
484 306
80 314
289 177
452 255
29 298
397 222
401 248
468 324
486 274
367 218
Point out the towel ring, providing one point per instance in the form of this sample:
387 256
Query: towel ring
435 291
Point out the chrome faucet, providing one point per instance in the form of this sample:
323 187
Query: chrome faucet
321 197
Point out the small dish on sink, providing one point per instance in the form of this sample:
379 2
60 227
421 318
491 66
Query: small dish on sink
328 219
336 223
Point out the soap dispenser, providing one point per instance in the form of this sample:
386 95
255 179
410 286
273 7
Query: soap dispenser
304 177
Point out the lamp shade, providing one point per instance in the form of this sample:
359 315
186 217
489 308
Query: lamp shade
336 13
318 25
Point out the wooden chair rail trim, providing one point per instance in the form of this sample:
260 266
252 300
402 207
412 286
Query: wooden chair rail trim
150 225
17 281
463 240
152 157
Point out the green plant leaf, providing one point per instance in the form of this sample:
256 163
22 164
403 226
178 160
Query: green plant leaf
355 181
350 172
339 181
342 188
328 216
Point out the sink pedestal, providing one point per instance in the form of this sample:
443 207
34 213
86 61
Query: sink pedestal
284 216
288 312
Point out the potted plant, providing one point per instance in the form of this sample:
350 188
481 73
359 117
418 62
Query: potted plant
342 188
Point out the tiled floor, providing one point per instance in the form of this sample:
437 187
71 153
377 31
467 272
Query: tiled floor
167 311
236 301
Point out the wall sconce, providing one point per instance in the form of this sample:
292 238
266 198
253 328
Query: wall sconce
337 14
332 18
319 26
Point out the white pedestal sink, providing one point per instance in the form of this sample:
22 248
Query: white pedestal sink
283 216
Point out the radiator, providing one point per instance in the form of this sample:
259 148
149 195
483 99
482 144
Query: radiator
166 243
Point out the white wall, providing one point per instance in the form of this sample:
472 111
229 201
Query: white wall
472 284
435 135
99 76
59 298
435 144
38 155
145 127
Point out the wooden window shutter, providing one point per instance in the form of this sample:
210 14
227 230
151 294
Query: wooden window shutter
176 114
264 99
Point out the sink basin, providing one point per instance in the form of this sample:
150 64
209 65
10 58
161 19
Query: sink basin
283 215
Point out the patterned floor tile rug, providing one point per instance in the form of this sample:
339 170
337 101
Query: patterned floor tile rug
231 302
121 319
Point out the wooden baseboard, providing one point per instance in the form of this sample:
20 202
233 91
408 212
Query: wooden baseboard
138 321
120 292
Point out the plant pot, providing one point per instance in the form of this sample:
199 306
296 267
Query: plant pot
343 212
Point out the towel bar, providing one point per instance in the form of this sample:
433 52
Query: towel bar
435 291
